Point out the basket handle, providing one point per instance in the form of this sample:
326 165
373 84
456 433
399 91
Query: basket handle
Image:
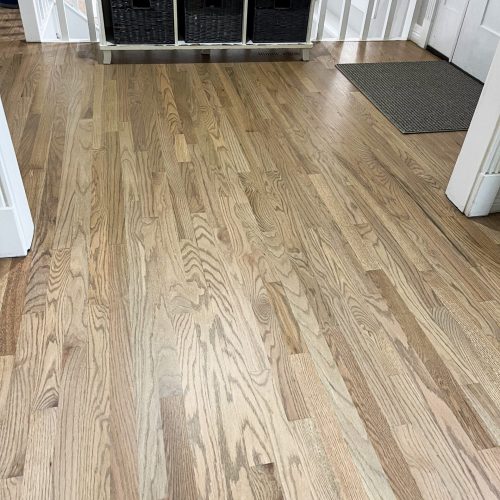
141 4
213 3
282 4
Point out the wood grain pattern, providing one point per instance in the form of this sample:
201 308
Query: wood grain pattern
37 477
11 25
180 464
12 305
244 283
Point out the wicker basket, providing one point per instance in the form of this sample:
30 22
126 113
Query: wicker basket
143 21
213 21
280 21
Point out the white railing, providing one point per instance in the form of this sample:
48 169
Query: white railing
59 20
43 8
360 20
73 20
35 15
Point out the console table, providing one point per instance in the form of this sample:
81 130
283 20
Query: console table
114 35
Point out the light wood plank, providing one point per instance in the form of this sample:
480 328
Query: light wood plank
244 283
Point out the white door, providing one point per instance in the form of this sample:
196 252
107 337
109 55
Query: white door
16 224
446 25
478 38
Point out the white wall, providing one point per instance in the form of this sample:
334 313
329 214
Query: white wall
356 17
422 8
475 181
52 31
495 208
399 18
57 20
16 224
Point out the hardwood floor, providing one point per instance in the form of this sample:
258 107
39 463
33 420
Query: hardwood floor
11 26
245 283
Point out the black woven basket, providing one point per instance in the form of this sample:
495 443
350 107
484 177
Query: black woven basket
213 21
143 21
281 21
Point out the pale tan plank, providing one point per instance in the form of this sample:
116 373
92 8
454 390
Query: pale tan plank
37 477
359 473
14 422
11 488
6 369
180 464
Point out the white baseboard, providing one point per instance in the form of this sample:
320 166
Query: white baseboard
417 36
485 196
13 240
495 208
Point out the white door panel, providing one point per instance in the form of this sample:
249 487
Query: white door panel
478 37
446 25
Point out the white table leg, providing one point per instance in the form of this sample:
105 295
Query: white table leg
305 54
106 56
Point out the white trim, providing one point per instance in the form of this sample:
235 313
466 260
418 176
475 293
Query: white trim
16 224
102 27
321 19
31 21
244 24
106 47
472 187
411 15
492 158
416 34
63 23
344 18
483 196
367 19
310 21
89 7
370 11
420 33
389 18
46 21
106 56
374 39
457 35
176 22
495 208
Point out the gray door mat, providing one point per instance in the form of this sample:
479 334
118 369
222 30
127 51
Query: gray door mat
418 97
